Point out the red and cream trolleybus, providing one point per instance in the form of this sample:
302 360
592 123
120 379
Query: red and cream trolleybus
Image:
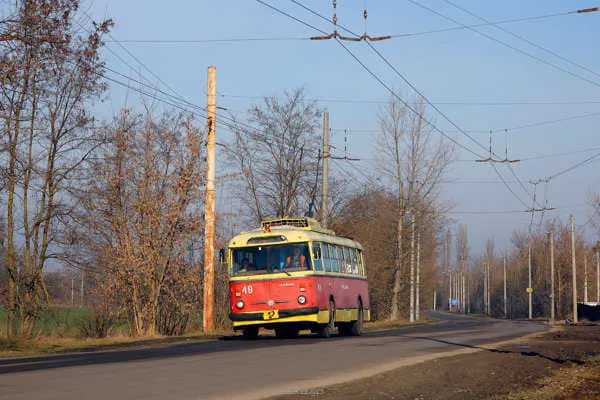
291 274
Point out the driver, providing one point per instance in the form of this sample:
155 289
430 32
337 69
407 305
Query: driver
297 260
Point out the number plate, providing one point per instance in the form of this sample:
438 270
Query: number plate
271 314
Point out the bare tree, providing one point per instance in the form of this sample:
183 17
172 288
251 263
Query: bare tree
278 158
50 73
414 162
143 209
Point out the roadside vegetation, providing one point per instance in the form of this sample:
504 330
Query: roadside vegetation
101 217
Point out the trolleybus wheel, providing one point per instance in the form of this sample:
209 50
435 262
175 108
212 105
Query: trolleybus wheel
329 329
356 326
250 333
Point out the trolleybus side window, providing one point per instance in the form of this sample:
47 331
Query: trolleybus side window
355 263
360 262
348 268
326 257
317 257
333 257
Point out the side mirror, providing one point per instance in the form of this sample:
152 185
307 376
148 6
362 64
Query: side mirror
222 256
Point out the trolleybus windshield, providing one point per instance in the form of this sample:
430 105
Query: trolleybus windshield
270 259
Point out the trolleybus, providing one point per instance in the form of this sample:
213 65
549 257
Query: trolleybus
291 274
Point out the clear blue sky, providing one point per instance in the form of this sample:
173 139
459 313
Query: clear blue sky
453 67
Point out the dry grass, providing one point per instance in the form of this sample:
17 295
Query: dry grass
12 347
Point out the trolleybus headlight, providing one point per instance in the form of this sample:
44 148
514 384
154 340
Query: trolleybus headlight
239 304
301 299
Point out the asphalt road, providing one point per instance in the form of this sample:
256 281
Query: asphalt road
233 368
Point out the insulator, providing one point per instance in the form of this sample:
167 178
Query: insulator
365 14
334 18
334 3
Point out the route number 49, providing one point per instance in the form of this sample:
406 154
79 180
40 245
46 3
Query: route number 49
247 289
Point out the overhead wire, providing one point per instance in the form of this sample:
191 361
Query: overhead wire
402 100
326 99
523 52
537 46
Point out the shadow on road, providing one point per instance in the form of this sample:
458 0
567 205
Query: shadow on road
494 350
227 343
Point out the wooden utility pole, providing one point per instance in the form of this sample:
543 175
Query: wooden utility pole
552 276
574 269
209 205
504 273
530 288
325 190
412 269
417 295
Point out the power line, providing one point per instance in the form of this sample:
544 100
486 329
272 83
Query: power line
198 41
513 128
405 103
507 185
537 46
327 99
506 21
539 59
571 168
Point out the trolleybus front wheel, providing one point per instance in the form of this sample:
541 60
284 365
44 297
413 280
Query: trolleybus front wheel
329 329
250 333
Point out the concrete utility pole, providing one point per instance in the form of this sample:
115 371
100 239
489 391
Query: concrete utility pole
489 290
81 289
529 288
434 300
469 293
485 288
412 270
418 297
598 276
464 294
574 269
504 268
448 275
209 205
325 190
450 285
552 276
585 282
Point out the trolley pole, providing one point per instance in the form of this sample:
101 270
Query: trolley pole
209 206
325 188
574 269
552 276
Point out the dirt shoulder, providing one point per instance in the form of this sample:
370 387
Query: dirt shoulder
563 363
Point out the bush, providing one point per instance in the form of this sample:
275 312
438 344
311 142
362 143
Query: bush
97 324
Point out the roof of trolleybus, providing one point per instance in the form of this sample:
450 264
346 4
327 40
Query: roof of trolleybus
281 234
266 250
